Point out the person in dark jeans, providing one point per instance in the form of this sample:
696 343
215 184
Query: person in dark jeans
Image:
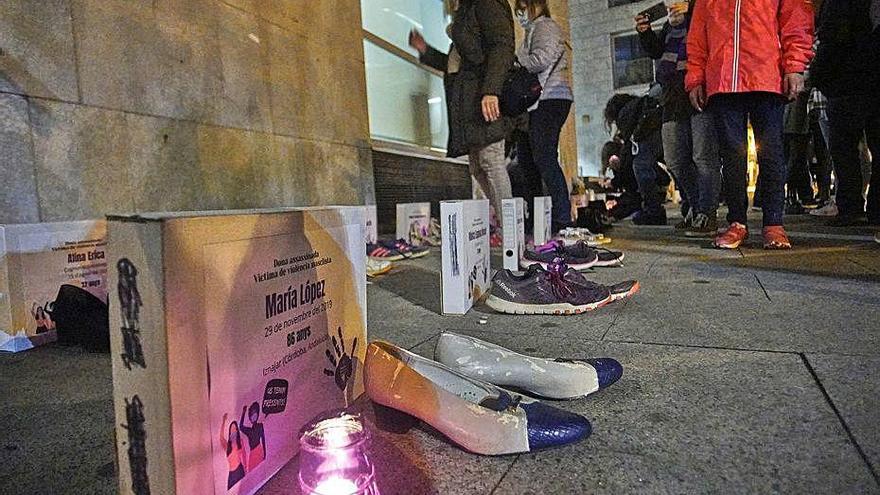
796 140
847 71
689 142
543 52
745 78
638 121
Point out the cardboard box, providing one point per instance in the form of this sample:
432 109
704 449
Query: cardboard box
466 270
513 215
36 260
238 321
371 225
413 217
543 215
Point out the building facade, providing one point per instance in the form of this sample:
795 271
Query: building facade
607 60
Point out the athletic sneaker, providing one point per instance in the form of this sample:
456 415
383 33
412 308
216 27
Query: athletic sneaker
539 291
380 252
604 256
829 210
573 235
406 249
776 238
703 226
544 255
618 291
685 222
731 238
377 267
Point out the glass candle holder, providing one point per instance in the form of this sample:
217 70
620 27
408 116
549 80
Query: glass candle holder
334 458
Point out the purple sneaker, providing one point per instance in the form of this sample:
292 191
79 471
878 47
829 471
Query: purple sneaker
618 291
544 292
545 255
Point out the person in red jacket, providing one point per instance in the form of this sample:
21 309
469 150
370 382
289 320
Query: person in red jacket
744 59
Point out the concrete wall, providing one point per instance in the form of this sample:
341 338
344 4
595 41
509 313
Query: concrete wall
592 24
139 105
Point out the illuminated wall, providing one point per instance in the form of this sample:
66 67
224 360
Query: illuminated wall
121 105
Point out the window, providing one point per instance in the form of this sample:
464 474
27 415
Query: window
631 65
406 100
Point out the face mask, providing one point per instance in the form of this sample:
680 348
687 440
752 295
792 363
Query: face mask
523 19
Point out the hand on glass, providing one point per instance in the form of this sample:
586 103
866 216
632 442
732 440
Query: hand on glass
643 23
792 85
491 108
698 98
417 41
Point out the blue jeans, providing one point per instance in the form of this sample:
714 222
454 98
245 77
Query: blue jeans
732 113
645 156
852 117
691 150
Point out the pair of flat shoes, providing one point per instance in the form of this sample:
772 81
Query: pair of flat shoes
461 394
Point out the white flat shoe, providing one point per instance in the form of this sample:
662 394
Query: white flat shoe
552 379
477 416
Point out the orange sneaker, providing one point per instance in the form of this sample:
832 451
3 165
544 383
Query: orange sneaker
731 238
775 238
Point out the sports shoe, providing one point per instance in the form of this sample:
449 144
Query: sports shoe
703 226
794 207
829 210
380 252
641 218
377 267
685 222
429 236
622 290
604 257
776 238
731 238
573 235
543 292
544 255
406 249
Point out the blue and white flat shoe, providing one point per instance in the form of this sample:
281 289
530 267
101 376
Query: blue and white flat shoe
477 416
546 378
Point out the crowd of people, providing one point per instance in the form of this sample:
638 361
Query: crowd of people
800 74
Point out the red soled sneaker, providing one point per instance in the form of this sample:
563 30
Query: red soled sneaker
731 238
776 238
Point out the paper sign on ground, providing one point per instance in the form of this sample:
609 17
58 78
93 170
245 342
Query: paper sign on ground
465 253
413 218
513 213
543 216
231 331
36 260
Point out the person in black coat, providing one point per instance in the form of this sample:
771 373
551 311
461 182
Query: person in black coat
475 68
847 71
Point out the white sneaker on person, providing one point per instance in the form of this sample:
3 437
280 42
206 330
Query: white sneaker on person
829 210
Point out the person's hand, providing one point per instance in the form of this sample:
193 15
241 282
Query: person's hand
792 84
491 108
643 23
417 41
698 98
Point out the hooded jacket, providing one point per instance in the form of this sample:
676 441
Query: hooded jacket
738 46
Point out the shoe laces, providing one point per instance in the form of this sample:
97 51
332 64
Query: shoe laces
612 253
556 271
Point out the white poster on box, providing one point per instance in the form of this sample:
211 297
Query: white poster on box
465 254
513 214
413 217
543 214
231 332
371 225
36 262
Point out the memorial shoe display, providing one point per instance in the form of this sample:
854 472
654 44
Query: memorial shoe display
573 235
406 249
477 416
548 378
579 256
539 291
380 252
377 267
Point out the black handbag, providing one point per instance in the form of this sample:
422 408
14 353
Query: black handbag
522 89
